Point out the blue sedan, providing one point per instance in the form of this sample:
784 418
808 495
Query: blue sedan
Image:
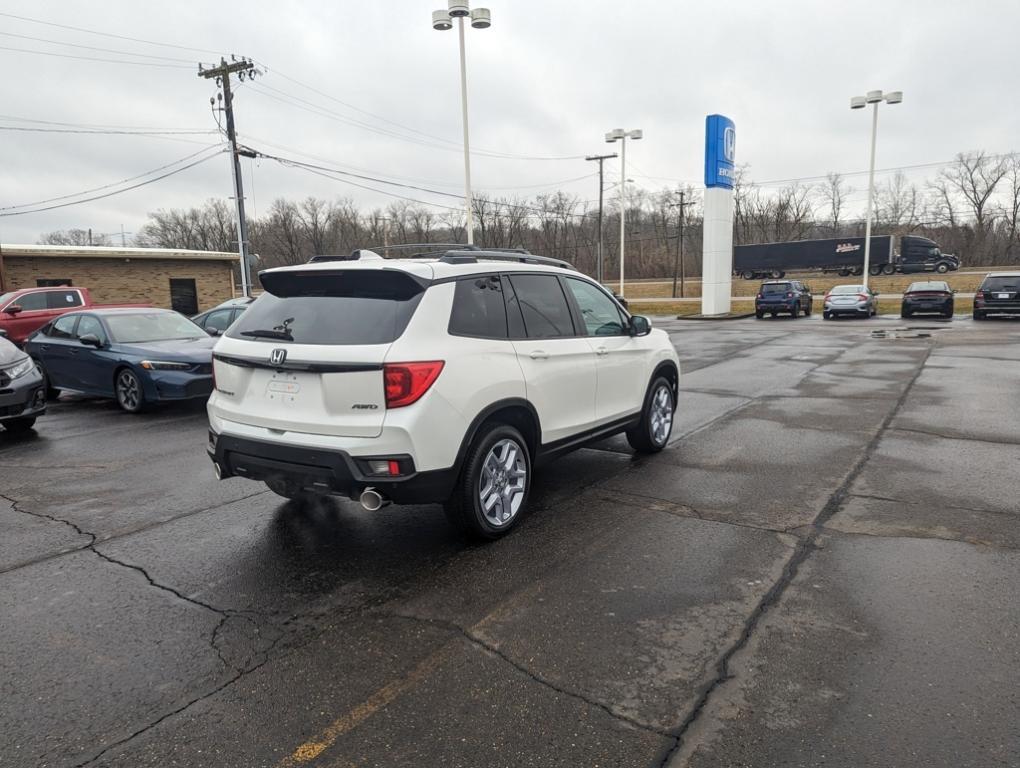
137 356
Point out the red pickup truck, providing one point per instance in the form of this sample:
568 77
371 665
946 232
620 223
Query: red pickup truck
22 312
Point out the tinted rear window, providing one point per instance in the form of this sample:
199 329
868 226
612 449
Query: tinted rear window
478 308
1001 284
545 309
347 307
773 288
936 286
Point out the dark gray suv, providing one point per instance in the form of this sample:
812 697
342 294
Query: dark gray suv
788 296
22 389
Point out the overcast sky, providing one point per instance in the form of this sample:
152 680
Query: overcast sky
548 79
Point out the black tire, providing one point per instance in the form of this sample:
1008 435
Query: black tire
759 314
844 273
464 508
906 313
20 425
285 488
888 269
775 274
128 390
826 315
980 315
795 311
773 313
942 269
652 433
747 274
875 270
51 392
807 310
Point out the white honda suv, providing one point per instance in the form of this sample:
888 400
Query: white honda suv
441 379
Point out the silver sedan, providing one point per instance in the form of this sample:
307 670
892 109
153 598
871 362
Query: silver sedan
856 300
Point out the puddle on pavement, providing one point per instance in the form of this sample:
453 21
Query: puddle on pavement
910 332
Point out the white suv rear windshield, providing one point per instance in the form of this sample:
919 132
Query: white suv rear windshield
344 308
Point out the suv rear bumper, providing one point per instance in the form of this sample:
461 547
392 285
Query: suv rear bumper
331 471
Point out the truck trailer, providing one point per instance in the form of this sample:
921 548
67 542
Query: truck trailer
844 255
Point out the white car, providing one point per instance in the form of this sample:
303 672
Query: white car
441 379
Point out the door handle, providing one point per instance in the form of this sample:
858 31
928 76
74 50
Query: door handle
600 351
539 354
73 351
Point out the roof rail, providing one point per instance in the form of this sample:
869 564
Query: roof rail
518 255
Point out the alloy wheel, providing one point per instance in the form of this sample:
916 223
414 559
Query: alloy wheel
660 415
128 394
503 482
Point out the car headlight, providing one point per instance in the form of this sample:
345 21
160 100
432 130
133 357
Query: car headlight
163 365
20 368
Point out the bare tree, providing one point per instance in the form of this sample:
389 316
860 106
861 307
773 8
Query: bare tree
834 192
73 237
898 204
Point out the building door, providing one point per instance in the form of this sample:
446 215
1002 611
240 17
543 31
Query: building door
183 296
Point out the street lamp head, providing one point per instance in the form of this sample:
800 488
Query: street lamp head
858 102
615 135
894 98
636 134
481 18
458 8
873 97
441 21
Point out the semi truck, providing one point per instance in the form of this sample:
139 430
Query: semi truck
844 255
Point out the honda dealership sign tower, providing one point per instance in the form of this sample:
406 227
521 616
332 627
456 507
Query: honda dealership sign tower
717 248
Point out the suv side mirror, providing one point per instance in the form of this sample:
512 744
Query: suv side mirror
213 331
640 325
90 340
13 309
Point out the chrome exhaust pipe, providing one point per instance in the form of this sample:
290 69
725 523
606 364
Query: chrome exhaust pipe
217 470
372 500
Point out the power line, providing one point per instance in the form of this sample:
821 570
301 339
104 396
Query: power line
15 119
107 132
94 48
321 169
114 192
423 139
108 34
93 58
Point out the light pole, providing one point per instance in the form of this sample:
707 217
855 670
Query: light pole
621 135
859 102
442 20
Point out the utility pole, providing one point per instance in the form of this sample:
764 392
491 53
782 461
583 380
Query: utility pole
243 68
678 261
598 261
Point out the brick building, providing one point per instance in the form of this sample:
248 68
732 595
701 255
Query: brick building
188 281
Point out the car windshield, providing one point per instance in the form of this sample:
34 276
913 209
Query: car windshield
151 326
934 286
844 289
773 288
5 297
1010 283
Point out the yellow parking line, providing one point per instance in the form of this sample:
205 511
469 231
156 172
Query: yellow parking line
354 717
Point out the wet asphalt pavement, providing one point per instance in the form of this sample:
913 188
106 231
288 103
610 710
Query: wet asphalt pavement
822 569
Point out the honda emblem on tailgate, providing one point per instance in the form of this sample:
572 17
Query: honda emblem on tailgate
278 356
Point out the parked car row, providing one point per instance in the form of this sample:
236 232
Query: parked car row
998 294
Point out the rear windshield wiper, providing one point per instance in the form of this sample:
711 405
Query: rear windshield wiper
269 333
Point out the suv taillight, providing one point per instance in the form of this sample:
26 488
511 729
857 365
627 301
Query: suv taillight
406 382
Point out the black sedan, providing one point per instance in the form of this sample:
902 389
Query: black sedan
934 296
22 397
137 356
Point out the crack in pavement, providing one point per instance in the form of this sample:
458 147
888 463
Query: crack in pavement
97 539
944 436
495 651
979 510
804 548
